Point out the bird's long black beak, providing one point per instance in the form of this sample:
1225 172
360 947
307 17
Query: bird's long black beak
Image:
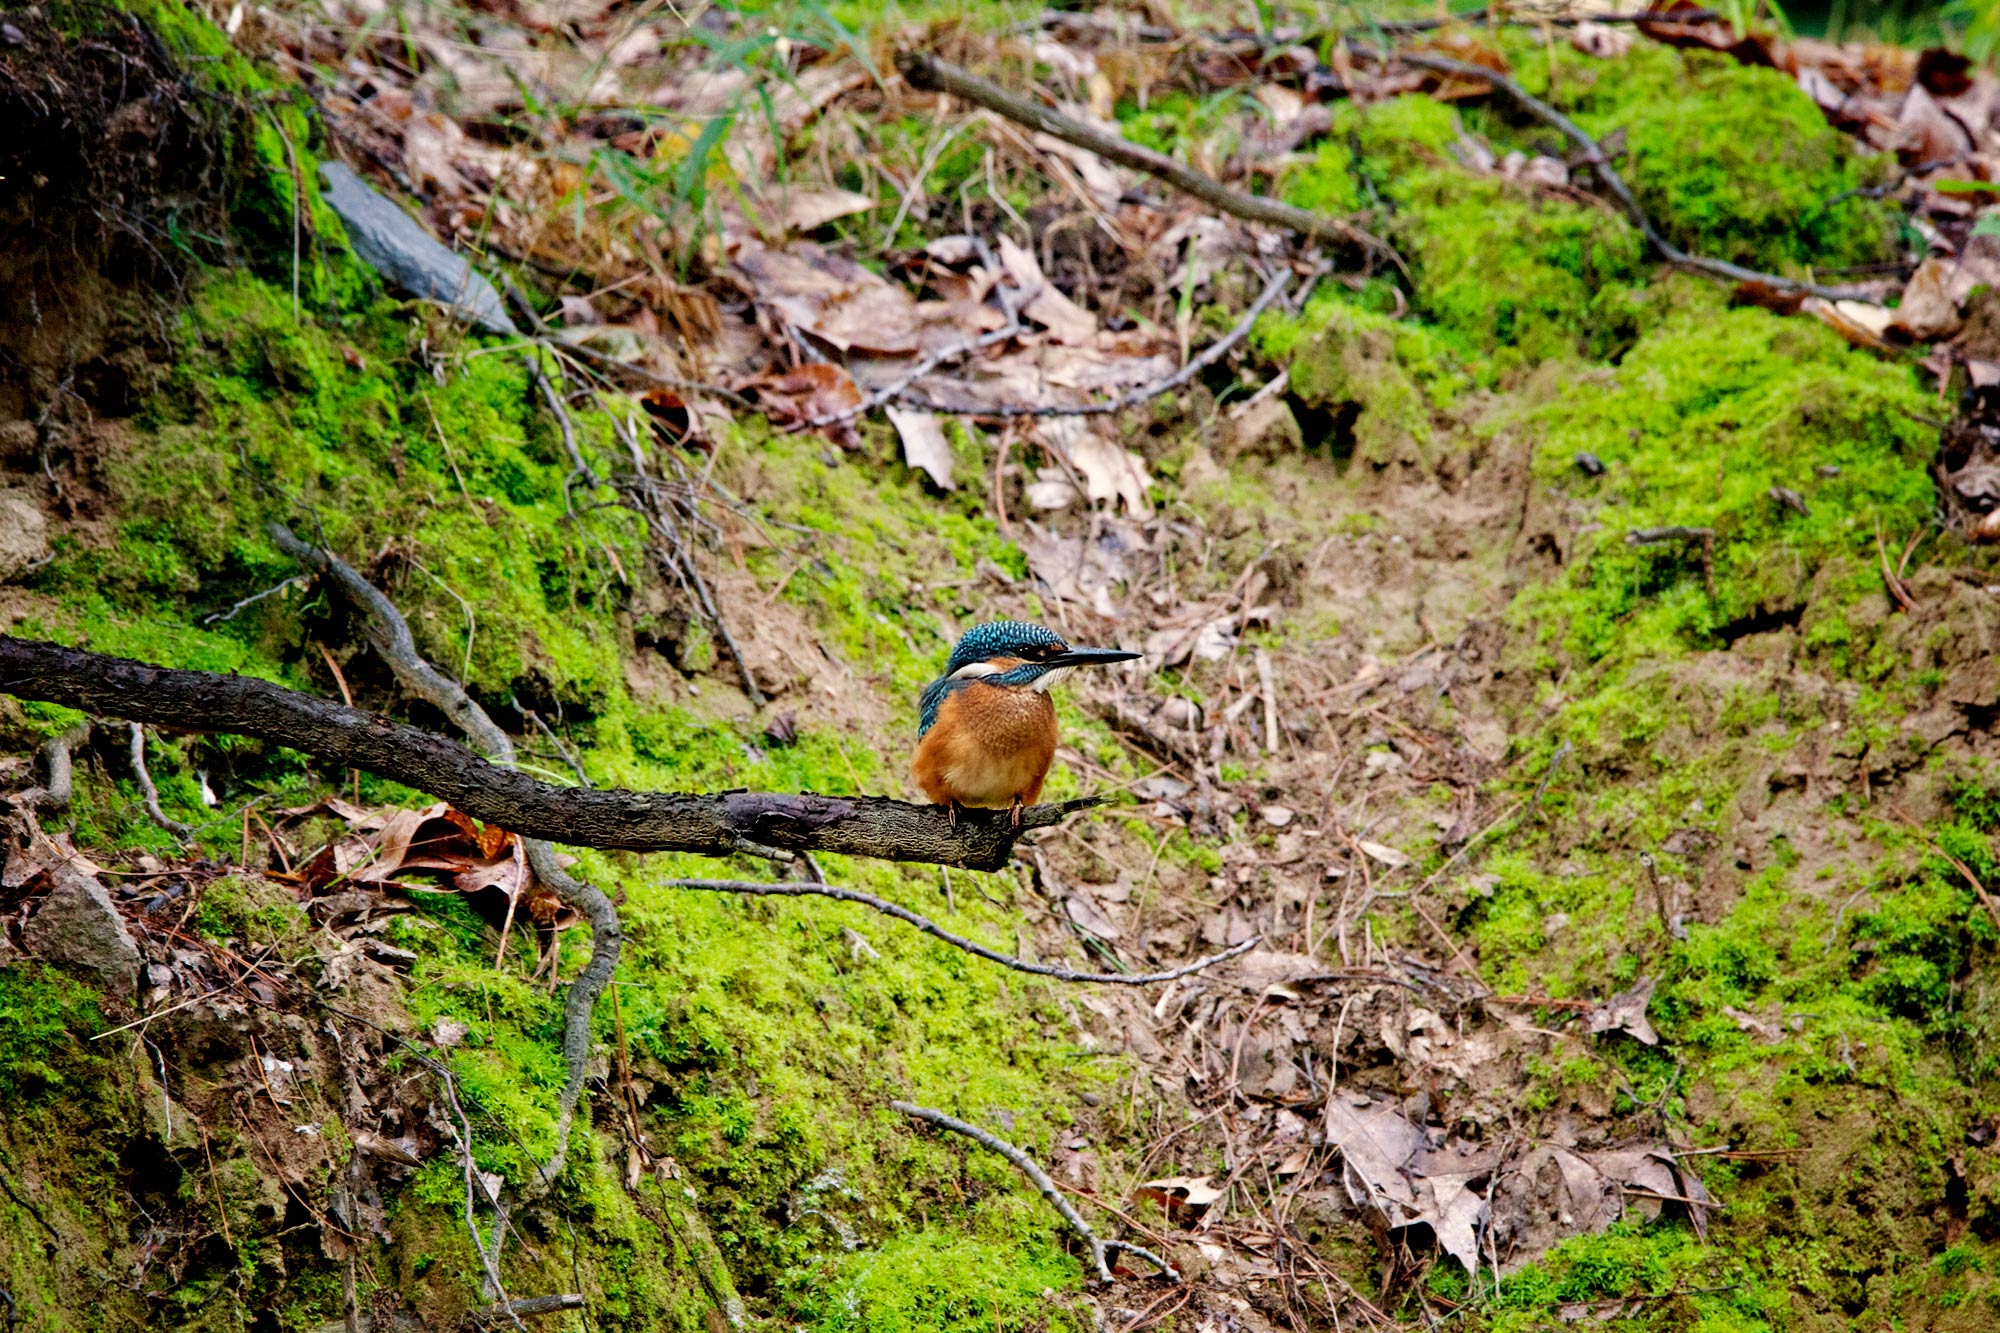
1077 657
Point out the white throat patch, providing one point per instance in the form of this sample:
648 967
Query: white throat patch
1047 680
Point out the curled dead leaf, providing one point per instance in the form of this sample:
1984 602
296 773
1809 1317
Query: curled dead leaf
1184 1198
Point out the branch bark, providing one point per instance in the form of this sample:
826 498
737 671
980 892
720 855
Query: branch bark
705 824
927 72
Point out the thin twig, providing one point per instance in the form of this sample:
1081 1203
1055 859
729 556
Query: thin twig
926 72
1505 18
895 388
253 599
1101 1250
1594 155
528 1305
58 772
1207 357
148 791
578 467
807 889
462 1134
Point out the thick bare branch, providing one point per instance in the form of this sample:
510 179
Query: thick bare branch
708 824
392 638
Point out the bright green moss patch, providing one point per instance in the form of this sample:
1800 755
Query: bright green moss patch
927 1281
1728 160
1696 427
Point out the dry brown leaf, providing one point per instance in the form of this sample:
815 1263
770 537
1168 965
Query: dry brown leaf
1109 471
1928 309
1066 321
1860 322
1387 855
1182 1197
1626 1012
829 296
1925 132
924 444
815 389
809 210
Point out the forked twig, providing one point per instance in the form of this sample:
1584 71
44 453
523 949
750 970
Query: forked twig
148 791
1101 1250
808 889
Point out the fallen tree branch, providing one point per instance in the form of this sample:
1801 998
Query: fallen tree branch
927 72
1196 364
808 889
392 639
58 772
148 791
529 1305
1101 1250
705 824
1599 163
1507 19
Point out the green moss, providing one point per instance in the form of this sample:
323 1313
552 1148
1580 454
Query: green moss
1696 426
1731 161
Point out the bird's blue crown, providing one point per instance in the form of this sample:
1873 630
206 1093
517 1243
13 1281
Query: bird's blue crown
983 643
1000 638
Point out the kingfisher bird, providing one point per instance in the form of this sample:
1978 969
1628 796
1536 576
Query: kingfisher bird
987 731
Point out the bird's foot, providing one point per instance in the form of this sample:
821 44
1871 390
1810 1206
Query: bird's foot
1014 811
951 813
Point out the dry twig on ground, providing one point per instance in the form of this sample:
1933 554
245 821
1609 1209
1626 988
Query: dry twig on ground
148 791
1101 1250
1207 357
808 889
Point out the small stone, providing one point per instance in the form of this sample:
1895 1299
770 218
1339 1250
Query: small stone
1589 464
78 927
1277 816
24 534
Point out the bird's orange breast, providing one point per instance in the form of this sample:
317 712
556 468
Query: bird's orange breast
990 746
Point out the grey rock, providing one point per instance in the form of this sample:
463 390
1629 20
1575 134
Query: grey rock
78 927
397 246
24 534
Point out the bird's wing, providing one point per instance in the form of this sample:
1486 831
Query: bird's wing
934 695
